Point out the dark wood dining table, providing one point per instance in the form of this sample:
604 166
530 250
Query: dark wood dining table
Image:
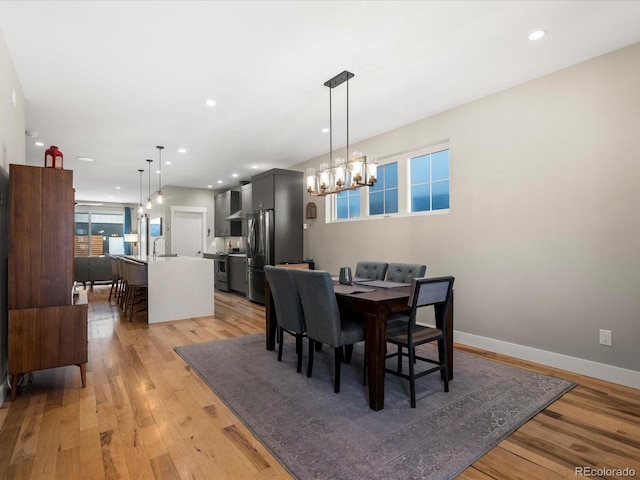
375 306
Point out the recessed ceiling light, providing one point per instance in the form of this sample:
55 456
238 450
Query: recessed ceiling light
537 35
209 186
219 181
39 144
234 175
254 166
167 163
117 188
182 150
325 130
211 103
85 159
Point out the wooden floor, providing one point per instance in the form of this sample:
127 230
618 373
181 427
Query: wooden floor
145 415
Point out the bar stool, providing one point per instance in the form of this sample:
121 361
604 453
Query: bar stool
136 275
115 278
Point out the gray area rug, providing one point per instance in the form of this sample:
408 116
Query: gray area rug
318 434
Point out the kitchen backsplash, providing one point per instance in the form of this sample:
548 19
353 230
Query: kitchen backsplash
221 244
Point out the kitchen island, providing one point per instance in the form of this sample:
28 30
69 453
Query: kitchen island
178 287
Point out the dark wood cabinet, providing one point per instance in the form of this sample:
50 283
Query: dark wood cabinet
46 328
238 274
227 203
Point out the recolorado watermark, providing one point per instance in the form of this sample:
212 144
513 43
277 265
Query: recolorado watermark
605 472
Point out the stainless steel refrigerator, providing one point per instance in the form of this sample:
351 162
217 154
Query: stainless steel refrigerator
260 251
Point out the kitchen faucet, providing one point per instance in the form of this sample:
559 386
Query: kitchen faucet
155 242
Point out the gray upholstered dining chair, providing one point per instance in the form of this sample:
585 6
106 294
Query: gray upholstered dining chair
405 272
371 270
288 308
408 335
325 322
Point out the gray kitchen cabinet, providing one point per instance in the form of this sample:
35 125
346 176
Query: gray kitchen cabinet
238 274
282 191
225 204
247 207
262 191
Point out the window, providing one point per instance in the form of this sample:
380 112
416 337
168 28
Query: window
98 234
348 204
409 183
429 181
383 196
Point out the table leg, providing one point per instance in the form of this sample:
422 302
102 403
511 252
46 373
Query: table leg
376 339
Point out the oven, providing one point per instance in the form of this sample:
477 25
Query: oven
221 272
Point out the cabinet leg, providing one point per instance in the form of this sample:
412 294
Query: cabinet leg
83 374
14 386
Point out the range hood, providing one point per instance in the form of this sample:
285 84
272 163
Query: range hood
235 216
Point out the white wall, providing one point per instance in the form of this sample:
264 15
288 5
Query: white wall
543 235
12 150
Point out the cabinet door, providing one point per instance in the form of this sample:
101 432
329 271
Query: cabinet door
238 274
262 193
246 206
221 209
41 219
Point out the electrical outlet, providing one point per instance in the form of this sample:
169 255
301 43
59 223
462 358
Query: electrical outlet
605 337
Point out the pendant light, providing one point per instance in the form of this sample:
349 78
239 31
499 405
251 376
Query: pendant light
342 174
159 193
149 204
140 207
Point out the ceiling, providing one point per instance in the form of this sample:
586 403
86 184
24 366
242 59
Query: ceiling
110 80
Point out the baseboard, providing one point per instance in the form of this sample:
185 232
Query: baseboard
609 373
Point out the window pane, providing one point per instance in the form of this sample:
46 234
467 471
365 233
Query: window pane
440 165
81 241
354 203
391 175
391 201
376 203
440 195
107 234
420 169
383 197
379 185
420 198
342 207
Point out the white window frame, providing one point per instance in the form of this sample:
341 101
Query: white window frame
404 188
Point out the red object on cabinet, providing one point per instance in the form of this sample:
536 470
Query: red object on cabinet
53 157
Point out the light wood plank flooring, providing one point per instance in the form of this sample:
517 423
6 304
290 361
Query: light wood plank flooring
145 415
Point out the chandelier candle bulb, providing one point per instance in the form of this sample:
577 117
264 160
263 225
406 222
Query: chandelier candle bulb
340 173
311 180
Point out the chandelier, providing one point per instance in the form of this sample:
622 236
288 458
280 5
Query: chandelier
340 175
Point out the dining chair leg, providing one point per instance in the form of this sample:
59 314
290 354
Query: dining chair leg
364 368
348 353
280 335
310 360
399 359
442 353
299 352
412 378
337 360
